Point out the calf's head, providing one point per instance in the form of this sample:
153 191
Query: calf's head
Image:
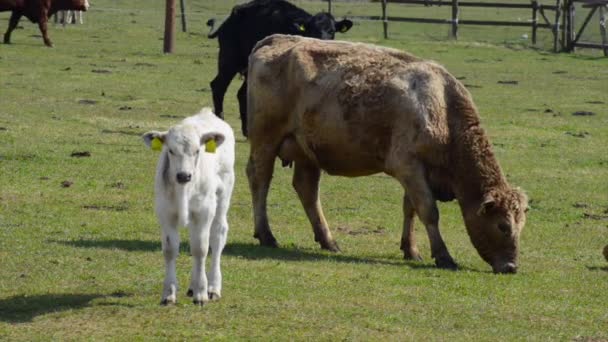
494 226
183 145
321 26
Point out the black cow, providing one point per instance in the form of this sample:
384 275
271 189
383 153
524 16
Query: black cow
250 22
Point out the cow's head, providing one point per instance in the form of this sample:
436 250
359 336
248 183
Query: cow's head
494 226
183 145
322 26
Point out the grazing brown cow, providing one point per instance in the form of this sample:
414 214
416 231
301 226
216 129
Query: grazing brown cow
37 11
354 109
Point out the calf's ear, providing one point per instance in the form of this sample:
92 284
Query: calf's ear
211 140
487 205
344 25
299 27
152 139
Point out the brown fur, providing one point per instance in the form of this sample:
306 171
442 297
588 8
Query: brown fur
353 109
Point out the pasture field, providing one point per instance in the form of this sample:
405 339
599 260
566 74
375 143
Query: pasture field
83 262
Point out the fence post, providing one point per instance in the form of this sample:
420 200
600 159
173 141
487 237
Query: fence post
571 16
384 19
558 14
329 6
169 26
603 23
534 20
455 19
183 8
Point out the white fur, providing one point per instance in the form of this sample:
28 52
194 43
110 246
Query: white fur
201 204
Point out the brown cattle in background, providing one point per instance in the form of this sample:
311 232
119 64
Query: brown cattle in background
354 109
37 11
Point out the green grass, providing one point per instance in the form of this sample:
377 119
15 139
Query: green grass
84 262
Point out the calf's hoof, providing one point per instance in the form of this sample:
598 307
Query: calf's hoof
446 263
198 302
167 301
214 296
331 246
190 293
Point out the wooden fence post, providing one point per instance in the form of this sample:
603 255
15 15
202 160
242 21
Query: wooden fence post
182 6
534 20
455 19
169 26
558 14
603 23
384 19
329 6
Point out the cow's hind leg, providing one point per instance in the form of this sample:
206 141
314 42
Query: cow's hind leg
306 183
12 24
170 246
259 174
242 97
424 204
408 240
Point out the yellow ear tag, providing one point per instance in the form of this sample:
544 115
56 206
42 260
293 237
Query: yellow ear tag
302 28
210 146
156 144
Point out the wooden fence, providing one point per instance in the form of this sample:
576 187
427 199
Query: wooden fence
534 6
570 36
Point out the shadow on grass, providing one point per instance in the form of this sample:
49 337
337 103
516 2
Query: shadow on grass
253 251
23 309
598 268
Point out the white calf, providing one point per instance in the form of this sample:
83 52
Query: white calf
69 17
194 182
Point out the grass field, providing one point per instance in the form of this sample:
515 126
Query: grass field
83 262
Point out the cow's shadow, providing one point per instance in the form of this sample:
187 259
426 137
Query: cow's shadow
253 251
23 309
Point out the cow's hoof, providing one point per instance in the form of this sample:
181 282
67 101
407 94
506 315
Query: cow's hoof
446 263
198 302
214 296
267 240
190 293
412 256
331 246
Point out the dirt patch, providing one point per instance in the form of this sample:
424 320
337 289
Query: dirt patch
87 102
509 82
597 217
582 134
119 207
109 131
81 154
146 65
595 102
125 108
583 113
170 116
101 71
3 129
471 86
361 231
118 185
67 183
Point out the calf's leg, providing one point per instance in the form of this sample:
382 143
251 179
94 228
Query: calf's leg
170 246
408 240
217 241
306 183
12 24
199 247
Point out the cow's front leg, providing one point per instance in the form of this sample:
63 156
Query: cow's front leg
306 183
408 240
199 248
12 24
170 246
259 173
424 204
42 24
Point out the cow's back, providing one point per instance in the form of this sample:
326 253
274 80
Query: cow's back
350 106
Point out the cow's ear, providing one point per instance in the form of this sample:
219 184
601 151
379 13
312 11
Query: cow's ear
486 205
212 140
344 25
300 27
154 139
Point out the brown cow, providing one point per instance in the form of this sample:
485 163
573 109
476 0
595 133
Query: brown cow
37 11
353 109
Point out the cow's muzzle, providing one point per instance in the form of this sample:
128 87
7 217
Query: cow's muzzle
505 268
